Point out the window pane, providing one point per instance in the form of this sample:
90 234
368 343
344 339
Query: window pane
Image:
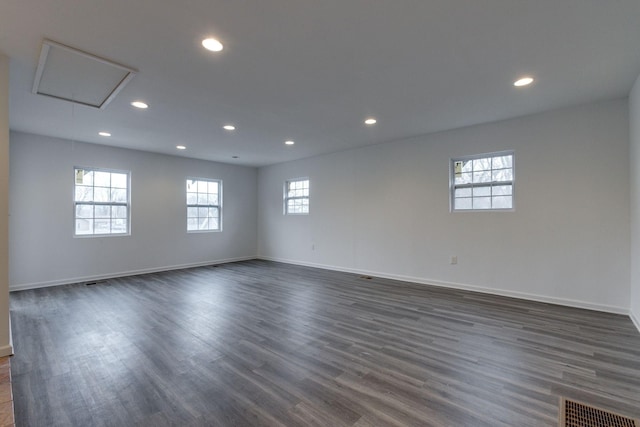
101 194
84 226
103 211
102 226
192 212
464 178
501 162
501 190
202 212
213 187
102 179
119 212
482 176
202 198
463 203
119 226
213 199
84 177
119 195
84 211
481 191
480 165
202 186
463 192
84 193
503 175
481 203
204 223
118 180
502 202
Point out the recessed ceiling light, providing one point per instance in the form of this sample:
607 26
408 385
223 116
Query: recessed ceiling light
289 142
104 134
139 104
525 81
234 157
212 44
181 147
370 121
229 127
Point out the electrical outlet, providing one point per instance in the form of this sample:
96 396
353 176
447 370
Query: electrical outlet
454 259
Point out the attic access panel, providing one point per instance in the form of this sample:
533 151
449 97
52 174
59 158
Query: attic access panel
80 77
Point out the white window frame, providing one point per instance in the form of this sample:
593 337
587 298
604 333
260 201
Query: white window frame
453 186
286 196
93 203
207 205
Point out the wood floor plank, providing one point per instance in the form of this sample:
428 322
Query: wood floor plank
260 343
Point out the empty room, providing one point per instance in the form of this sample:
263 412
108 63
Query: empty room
320 213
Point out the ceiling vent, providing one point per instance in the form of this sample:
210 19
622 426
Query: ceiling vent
80 77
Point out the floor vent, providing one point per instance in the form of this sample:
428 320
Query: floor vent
103 282
575 414
366 277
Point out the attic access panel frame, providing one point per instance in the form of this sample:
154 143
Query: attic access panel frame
120 75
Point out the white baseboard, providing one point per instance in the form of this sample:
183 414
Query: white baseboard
403 278
463 286
635 320
6 350
71 280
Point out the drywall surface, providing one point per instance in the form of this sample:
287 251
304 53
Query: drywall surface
634 157
43 249
384 210
5 333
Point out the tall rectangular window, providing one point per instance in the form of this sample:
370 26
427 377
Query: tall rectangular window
296 197
482 182
204 202
101 202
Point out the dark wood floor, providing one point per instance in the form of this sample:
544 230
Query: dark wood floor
261 343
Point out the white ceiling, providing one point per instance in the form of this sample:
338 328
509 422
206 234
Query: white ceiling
313 70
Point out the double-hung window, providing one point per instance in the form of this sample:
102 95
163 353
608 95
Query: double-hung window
204 204
482 182
101 202
296 197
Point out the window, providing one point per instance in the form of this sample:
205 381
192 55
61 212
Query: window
296 197
483 182
204 199
101 202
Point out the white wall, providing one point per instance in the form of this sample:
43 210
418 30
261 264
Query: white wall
5 333
43 250
634 121
384 210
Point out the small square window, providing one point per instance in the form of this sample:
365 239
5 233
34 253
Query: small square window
483 182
